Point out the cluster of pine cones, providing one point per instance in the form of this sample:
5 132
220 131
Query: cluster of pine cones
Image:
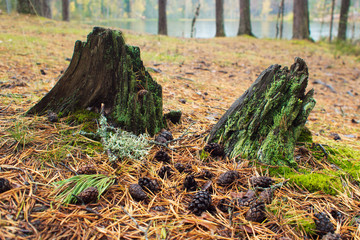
255 200
201 199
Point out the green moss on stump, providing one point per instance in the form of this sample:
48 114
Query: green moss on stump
265 122
104 70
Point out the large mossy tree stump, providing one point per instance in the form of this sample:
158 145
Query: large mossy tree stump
106 70
266 120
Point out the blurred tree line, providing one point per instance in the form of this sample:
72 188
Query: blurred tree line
300 11
114 9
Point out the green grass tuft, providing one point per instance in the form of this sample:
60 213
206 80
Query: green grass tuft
73 186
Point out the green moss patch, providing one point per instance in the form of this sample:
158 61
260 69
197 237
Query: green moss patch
305 136
314 182
343 162
87 118
346 158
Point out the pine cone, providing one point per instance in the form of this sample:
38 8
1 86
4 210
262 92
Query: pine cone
165 171
266 196
167 135
4 185
52 117
227 178
323 224
89 195
180 167
262 181
137 192
256 213
214 149
164 136
331 236
200 203
248 199
87 169
162 156
149 185
224 205
159 208
337 215
160 139
189 183
206 174
183 168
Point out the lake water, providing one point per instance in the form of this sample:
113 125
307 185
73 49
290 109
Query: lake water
206 28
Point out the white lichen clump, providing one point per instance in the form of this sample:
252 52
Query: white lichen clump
120 144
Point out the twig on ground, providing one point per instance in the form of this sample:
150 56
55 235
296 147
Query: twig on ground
68 168
6 108
145 231
161 144
182 135
231 211
273 187
323 149
24 171
90 210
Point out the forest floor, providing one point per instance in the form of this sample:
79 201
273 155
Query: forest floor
202 78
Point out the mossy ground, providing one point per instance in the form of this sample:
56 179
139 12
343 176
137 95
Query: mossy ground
209 74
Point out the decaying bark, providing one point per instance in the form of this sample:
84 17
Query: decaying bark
106 70
266 120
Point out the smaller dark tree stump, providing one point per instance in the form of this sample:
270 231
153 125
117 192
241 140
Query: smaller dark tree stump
266 120
106 70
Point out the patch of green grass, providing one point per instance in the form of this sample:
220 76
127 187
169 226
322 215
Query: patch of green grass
306 224
345 48
76 184
22 44
299 219
204 156
69 143
169 56
21 133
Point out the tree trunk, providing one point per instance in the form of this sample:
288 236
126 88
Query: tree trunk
8 6
46 9
29 7
219 12
331 19
301 20
197 11
266 120
128 8
282 18
345 5
66 10
106 70
162 24
35 7
245 22
102 8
